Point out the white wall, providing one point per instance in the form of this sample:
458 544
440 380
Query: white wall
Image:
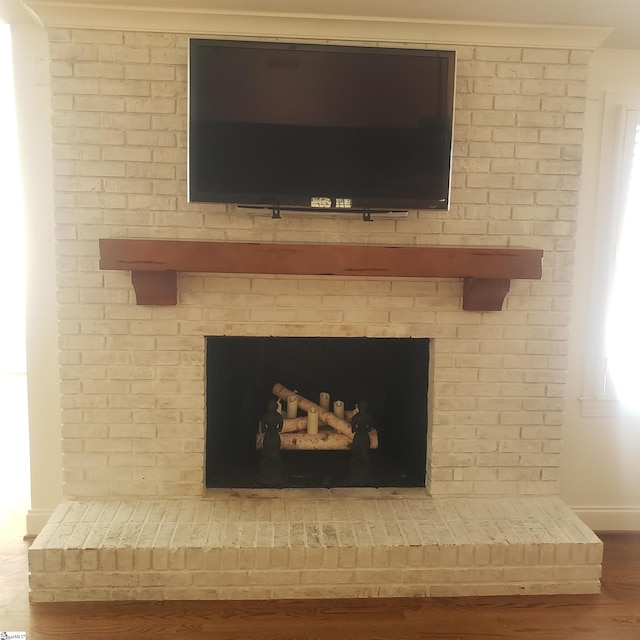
600 472
33 113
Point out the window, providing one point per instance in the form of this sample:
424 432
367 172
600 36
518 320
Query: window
622 338
612 382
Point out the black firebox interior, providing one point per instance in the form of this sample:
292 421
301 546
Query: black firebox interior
391 374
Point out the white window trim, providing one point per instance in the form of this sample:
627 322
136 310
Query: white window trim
598 399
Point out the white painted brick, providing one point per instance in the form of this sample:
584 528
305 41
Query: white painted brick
58 35
62 50
544 88
476 68
565 72
561 136
536 106
579 56
99 103
61 69
149 72
61 104
547 56
519 70
76 86
90 36
498 54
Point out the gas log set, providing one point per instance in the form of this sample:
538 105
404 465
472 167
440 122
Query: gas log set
320 429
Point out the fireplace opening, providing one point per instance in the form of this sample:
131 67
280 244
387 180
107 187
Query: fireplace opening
389 374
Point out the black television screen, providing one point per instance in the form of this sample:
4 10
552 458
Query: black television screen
303 126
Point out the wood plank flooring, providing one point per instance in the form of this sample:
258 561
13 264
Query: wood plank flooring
612 615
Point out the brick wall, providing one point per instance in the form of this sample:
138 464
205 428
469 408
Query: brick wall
133 377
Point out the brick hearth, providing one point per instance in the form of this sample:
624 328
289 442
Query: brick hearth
313 544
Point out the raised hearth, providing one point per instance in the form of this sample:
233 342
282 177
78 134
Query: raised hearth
316 544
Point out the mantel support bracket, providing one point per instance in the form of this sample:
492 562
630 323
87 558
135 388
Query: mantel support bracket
155 287
484 294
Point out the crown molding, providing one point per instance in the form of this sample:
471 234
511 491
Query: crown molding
15 12
189 17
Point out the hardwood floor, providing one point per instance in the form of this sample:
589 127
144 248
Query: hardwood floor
612 615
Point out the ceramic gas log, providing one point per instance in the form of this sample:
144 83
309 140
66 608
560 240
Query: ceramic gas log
326 439
294 435
342 426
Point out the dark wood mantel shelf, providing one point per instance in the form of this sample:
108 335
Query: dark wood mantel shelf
154 264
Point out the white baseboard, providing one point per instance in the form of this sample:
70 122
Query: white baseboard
36 519
610 518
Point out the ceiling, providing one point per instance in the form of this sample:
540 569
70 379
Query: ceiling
622 16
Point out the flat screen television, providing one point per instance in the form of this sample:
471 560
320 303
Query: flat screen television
308 127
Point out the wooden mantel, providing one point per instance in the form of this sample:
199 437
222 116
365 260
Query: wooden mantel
154 264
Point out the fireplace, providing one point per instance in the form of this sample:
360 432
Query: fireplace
390 374
484 517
